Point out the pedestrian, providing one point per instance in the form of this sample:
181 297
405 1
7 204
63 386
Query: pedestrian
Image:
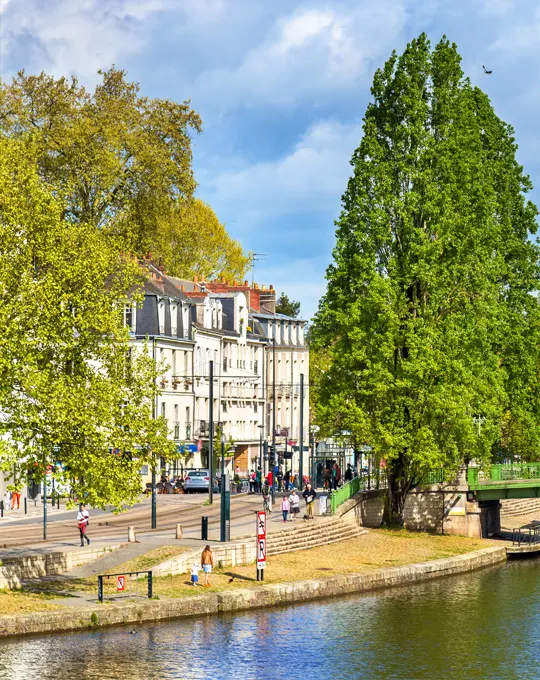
195 573
326 478
258 481
207 561
16 497
269 478
287 480
252 478
309 496
285 508
267 498
294 500
348 473
82 523
280 480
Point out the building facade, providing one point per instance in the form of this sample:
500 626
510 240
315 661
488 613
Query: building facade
189 326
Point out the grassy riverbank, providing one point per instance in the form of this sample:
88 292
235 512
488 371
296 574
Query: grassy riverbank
377 549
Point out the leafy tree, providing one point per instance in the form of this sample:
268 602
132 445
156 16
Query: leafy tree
70 391
193 242
429 317
284 305
122 162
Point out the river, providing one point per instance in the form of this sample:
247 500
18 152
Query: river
480 625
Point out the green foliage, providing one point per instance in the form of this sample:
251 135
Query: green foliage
70 391
122 162
191 241
429 317
286 306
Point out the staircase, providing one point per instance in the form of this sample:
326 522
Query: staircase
310 534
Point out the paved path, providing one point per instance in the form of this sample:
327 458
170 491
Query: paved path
107 528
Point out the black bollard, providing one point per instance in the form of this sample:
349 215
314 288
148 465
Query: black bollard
204 528
1 508
25 505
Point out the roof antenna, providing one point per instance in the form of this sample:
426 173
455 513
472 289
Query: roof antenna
256 257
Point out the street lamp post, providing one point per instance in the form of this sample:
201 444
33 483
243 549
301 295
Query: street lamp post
261 464
225 526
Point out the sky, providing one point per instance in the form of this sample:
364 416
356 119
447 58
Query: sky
281 87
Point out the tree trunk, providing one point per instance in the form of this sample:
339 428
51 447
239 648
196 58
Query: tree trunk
398 488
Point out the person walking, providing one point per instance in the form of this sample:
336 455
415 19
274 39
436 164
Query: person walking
309 496
285 508
267 498
286 480
348 473
16 496
258 481
252 481
82 523
207 562
294 500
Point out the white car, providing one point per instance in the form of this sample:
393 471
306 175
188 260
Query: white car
197 480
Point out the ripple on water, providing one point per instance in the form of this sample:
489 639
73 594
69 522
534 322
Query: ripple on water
484 625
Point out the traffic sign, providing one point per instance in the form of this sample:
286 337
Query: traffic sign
120 583
261 542
261 524
261 553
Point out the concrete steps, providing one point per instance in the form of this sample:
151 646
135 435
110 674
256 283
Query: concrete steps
312 534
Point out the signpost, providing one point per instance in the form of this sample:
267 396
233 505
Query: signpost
120 583
261 545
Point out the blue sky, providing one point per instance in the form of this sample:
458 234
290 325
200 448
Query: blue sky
281 87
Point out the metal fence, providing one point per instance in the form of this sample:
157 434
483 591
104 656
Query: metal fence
523 535
125 583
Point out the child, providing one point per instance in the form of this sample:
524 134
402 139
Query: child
195 574
285 507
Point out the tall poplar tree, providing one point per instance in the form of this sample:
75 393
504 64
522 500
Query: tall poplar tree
430 325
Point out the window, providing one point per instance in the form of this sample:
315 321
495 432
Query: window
256 406
163 409
174 318
224 406
161 316
173 363
188 422
129 317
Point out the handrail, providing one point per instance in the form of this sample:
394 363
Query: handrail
348 490
503 472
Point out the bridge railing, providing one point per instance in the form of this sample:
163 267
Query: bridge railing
339 496
502 473
526 535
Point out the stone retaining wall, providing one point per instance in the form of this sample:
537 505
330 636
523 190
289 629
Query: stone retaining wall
229 555
247 598
13 570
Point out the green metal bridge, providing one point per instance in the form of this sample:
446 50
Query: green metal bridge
518 480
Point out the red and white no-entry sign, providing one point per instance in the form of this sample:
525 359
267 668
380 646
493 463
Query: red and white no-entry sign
261 540
120 583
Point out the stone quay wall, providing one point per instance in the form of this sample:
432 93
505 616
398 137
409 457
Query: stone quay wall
97 616
14 570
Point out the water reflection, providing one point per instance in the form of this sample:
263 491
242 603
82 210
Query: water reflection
483 625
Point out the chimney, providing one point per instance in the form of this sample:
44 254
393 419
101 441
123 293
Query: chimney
182 287
271 287
195 279
246 284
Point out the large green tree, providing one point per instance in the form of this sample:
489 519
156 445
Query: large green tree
429 324
122 162
69 389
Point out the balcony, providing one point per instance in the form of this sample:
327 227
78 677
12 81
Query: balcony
188 432
202 429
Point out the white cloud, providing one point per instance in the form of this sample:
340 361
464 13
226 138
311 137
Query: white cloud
79 37
309 51
313 174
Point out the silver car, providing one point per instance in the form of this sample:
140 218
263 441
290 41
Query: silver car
197 480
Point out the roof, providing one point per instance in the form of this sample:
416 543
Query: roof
279 317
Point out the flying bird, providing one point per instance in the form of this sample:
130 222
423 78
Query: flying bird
486 71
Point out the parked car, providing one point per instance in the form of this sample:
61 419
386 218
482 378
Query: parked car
197 480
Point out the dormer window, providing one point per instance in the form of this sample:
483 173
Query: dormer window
174 318
129 317
161 316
